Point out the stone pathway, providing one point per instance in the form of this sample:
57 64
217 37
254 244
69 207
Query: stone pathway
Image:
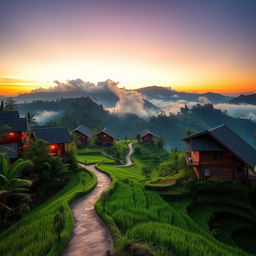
90 235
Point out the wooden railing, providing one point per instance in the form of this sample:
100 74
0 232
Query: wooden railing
190 160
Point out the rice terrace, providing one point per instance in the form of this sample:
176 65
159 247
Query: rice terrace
128 128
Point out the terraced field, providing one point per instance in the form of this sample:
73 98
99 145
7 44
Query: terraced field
165 227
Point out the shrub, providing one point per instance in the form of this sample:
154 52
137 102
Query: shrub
59 222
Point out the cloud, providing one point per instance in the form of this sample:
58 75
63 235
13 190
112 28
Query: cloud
45 116
172 107
121 101
126 101
246 111
77 85
203 100
129 102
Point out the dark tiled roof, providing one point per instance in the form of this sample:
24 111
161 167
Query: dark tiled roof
146 132
15 125
106 131
205 143
53 135
9 115
11 150
83 130
232 142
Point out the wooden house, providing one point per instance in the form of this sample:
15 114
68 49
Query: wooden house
83 134
219 153
58 139
105 137
14 135
146 136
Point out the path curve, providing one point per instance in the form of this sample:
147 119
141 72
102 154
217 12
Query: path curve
90 235
128 156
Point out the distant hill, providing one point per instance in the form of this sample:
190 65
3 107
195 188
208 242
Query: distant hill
245 99
84 111
167 94
103 96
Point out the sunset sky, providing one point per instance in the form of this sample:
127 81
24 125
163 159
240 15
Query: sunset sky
189 45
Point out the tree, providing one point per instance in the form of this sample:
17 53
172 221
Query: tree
57 168
10 104
31 118
38 153
160 142
71 159
189 132
58 223
2 106
53 123
118 150
10 185
184 110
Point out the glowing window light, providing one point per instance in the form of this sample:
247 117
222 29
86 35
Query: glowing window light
53 147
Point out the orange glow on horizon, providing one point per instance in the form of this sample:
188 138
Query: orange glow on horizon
14 90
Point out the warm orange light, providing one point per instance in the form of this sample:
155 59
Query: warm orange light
11 134
53 147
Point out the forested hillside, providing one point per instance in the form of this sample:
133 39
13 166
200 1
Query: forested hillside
84 111
245 99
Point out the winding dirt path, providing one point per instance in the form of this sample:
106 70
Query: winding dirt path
128 156
90 235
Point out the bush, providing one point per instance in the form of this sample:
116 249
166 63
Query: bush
59 222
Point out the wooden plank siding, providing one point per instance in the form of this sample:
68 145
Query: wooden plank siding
225 168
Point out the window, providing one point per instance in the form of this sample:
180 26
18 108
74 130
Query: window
217 155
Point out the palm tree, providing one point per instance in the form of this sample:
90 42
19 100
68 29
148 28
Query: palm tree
31 117
10 184
55 169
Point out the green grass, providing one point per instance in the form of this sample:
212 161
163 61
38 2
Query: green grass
92 156
122 173
149 154
135 214
144 216
228 216
34 234
122 147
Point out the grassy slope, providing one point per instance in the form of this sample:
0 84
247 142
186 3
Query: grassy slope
122 145
92 156
34 233
143 215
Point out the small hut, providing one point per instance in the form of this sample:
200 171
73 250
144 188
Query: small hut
14 134
147 136
105 137
83 134
58 139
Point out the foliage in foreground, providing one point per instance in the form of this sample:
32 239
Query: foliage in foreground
34 234
13 190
